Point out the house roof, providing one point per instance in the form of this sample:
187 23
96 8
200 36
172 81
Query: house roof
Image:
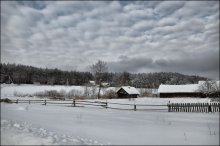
92 82
105 84
129 90
188 88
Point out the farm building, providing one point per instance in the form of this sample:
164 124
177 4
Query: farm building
188 90
92 83
127 92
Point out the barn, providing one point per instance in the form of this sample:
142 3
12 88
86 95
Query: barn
188 90
127 92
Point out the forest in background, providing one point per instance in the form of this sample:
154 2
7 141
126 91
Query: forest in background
22 74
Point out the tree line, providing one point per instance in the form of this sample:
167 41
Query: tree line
23 74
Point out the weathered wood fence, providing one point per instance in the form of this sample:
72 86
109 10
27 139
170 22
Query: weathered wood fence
77 103
73 102
172 107
193 107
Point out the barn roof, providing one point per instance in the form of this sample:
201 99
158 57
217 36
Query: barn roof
129 90
188 88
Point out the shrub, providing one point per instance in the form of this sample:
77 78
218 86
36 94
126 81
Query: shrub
74 94
215 99
18 94
53 94
109 94
6 100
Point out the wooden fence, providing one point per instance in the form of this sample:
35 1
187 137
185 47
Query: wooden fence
73 102
172 107
77 103
193 107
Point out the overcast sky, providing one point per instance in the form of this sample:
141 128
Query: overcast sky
154 36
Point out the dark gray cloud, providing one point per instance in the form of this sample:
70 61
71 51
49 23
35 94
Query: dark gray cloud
134 36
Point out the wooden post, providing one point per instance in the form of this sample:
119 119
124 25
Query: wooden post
29 101
183 107
197 107
168 107
106 104
200 107
188 106
17 101
45 102
209 107
213 107
218 107
172 109
74 103
193 106
177 106
135 108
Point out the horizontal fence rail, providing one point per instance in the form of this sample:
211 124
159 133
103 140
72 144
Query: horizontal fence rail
110 105
193 107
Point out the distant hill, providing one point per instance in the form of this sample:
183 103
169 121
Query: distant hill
22 74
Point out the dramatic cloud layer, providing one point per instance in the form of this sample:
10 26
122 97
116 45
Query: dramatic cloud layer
152 36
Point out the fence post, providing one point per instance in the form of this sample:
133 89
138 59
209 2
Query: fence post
135 107
193 107
29 101
217 107
187 107
200 107
45 102
213 107
172 107
106 104
17 101
74 103
168 106
197 105
209 108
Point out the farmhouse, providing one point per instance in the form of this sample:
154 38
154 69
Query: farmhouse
127 92
92 83
188 90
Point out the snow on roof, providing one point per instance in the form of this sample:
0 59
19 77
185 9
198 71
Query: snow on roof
188 88
105 84
129 90
92 82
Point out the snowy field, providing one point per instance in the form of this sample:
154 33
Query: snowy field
25 123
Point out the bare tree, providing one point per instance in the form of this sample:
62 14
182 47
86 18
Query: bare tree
209 88
98 70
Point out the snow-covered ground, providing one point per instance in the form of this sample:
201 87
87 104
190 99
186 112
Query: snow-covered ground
25 123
